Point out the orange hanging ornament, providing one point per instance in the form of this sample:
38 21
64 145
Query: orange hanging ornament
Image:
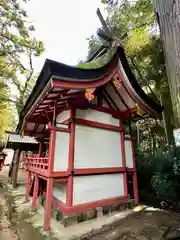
116 81
89 94
138 109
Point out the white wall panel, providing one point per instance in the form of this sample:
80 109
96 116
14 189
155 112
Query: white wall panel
61 151
104 104
97 187
97 148
128 153
59 191
65 115
97 116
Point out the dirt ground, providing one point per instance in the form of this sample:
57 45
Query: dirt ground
148 224
12 224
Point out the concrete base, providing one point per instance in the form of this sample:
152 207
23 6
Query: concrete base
72 219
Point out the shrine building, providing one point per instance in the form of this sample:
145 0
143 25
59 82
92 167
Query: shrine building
79 117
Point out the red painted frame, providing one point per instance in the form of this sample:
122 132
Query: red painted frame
84 207
35 191
51 151
135 184
98 125
92 171
81 171
123 158
48 206
67 176
28 183
69 193
83 85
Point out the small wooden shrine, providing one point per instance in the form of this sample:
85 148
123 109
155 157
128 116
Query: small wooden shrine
19 144
81 113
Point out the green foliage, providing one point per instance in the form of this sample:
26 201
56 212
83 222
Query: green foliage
163 187
6 115
159 174
158 165
144 49
99 62
18 47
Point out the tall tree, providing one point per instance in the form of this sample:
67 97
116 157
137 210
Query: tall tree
17 49
168 13
6 114
143 47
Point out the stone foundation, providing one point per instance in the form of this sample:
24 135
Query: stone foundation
71 219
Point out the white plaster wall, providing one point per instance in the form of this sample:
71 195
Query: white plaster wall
104 103
97 187
61 151
59 191
65 115
97 148
128 153
97 116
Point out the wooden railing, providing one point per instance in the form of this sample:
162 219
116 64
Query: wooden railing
35 162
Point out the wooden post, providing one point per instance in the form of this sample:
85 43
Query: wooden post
135 187
15 167
135 182
11 168
35 192
48 207
52 141
41 148
69 196
123 158
28 186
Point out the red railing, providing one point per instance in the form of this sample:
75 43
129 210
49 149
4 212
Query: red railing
37 163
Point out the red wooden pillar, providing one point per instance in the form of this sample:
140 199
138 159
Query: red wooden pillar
135 184
69 195
35 192
135 187
48 207
51 152
28 186
123 158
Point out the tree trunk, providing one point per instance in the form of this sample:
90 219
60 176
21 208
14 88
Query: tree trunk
167 118
168 16
15 167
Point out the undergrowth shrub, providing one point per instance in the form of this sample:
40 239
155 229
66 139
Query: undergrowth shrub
159 175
